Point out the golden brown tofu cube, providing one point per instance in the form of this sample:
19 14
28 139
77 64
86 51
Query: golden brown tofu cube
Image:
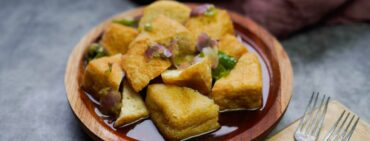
181 112
242 88
117 38
197 76
103 72
139 68
231 46
215 26
133 107
172 9
165 30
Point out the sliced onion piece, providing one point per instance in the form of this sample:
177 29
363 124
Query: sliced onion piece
205 41
201 10
197 59
166 53
158 50
110 101
212 53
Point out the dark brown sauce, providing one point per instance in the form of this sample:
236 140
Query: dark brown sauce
232 123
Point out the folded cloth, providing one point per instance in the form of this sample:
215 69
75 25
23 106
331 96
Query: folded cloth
284 17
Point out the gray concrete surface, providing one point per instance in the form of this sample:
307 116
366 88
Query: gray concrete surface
36 37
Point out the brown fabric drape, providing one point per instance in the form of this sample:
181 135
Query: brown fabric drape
284 17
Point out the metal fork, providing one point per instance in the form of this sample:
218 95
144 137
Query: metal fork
310 126
340 133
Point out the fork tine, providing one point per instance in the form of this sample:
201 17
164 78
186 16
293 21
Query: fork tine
346 129
352 130
333 127
311 114
300 126
338 130
317 117
318 129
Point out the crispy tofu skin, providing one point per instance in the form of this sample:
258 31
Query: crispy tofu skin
133 107
139 68
172 9
242 88
98 74
181 112
231 46
197 76
215 26
165 30
117 38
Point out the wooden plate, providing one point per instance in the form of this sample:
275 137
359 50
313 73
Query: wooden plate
245 125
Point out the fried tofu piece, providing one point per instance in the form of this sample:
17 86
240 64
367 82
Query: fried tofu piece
103 72
181 112
172 9
242 88
229 45
197 76
133 107
139 68
215 26
165 30
117 38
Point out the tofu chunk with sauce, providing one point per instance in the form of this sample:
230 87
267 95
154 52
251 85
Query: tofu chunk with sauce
139 68
197 76
215 26
242 88
166 31
229 45
133 107
101 73
181 112
172 9
117 38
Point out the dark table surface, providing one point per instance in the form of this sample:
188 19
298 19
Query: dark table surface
37 36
